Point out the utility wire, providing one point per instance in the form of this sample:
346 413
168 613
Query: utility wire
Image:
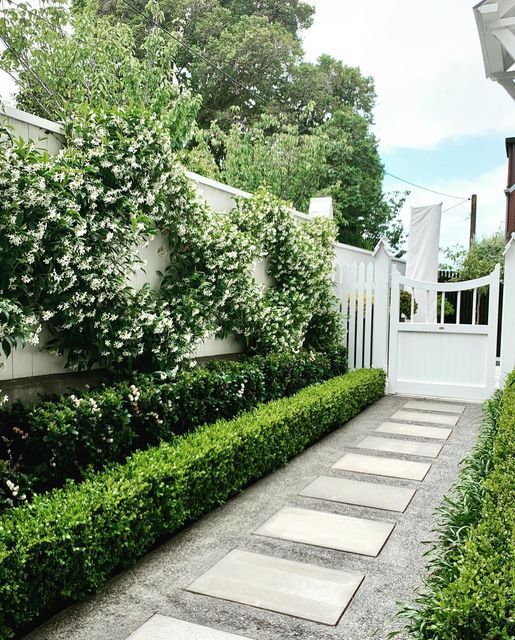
245 87
418 186
186 46
456 205
255 92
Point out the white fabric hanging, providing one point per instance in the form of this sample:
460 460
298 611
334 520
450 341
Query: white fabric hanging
422 257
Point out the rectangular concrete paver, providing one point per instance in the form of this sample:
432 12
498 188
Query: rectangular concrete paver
160 627
432 418
358 492
409 447
294 588
379 466
328 530
429 405
402 429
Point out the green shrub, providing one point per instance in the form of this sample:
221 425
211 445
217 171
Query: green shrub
42 445
66 543
470 592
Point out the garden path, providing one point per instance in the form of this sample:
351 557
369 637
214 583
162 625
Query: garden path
321 549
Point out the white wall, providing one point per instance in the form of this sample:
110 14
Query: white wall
32 361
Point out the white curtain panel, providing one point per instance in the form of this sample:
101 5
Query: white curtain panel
422 257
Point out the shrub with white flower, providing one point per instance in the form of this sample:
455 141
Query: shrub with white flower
69 225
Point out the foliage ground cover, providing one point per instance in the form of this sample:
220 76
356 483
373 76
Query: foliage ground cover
66 544
43 444
470 591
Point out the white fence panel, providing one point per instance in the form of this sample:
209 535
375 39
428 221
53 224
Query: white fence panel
362 289
32 361
361 276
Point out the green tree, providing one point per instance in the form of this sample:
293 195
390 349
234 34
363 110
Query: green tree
301 128
339 158
318 90
257 44
62 62
482 257
479 260
293 15
256 52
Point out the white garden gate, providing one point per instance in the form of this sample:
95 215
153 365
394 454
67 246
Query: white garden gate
451 356
438 357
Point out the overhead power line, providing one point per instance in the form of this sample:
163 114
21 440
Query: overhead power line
257 95
418 186
255 92
459 204
194 52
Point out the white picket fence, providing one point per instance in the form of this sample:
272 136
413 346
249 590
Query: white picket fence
362 290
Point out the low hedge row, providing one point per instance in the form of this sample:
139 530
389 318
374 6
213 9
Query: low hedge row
42 445
66 543
470 594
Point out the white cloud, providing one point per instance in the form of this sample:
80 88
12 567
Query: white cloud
491 209
7 88
426 60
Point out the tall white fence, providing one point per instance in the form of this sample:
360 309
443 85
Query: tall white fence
362 287
33 361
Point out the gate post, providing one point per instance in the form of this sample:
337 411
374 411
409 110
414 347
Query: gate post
508 312
382 266
493 310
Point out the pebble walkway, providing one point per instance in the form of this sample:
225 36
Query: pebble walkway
351 510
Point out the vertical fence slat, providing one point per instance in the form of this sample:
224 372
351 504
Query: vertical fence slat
458 309
360 316
369 279
344 298
352 315
474 304
442 307
380 329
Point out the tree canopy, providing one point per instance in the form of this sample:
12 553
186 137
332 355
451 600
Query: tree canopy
479 260
264 115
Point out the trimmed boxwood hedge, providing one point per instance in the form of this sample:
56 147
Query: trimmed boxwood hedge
42 445
66 544
470 594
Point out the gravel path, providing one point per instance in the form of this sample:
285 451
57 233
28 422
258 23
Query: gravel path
158 582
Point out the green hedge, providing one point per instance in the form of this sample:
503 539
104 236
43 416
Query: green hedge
66 544
470 594
42 445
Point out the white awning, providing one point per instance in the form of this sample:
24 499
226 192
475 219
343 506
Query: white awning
496 25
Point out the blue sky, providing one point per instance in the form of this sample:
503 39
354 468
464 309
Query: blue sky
464 157
439 121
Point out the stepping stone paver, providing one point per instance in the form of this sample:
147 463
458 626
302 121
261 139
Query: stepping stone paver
284 586
428 405
379 466
365 494
433 418
402 429
408 447
160 627
328 530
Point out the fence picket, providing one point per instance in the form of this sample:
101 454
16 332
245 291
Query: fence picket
360 315
369 288
352 314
